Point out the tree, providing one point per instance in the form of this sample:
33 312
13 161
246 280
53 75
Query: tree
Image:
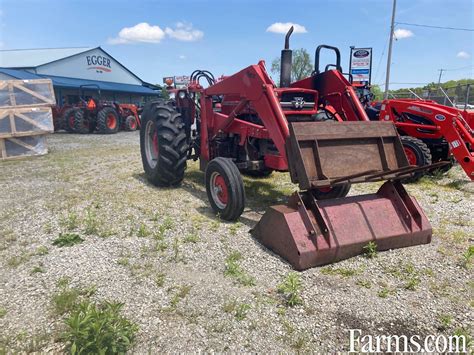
301 68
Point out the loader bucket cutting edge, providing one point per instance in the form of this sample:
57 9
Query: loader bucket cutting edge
310 233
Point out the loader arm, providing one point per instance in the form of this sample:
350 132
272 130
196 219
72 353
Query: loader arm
253 86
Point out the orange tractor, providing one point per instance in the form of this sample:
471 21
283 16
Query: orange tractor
317 130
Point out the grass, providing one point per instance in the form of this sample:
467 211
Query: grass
330 270
364 283
467 257
290 288
384 292
191 238
445 321
90 221
67 240
234 270
42 250
160 279
412 283
99 329
180 294
17 260
37 269
463 332
370 250
239 311
143 231
69 222
3 312
67 298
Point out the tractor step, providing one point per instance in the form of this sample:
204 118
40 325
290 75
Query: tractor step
309 233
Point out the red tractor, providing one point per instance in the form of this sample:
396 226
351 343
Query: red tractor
430 132
105 117
317 130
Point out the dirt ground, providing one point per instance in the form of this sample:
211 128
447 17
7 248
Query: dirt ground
163 254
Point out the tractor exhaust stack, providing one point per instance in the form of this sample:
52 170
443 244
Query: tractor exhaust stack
286 61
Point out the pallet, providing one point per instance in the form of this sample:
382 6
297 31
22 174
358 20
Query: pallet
18 147
25 121
24 93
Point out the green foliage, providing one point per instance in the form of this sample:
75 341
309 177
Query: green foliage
67 240
99 329
65 300
412 283
370 250
445 321
182 292
91 222
467 257
301 68
160 279
3 312
191 238
384 292
339 271
290 288
143 231
37 269
233 269
42 250
70 222
241 311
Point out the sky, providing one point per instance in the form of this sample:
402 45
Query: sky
165 38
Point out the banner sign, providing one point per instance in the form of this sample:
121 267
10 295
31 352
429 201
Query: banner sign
360 65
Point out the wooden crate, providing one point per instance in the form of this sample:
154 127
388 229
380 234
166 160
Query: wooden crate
18 147
25 121
16 93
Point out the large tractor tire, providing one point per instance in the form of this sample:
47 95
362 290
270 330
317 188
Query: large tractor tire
163 144
108 121
81 123
417 153
131 123
67 120
225 188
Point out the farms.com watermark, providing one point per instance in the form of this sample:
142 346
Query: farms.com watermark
366 343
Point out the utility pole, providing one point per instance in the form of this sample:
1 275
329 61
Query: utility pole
440 73
389 56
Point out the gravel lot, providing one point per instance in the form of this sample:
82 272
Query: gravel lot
163 253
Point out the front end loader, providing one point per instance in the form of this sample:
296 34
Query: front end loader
317 130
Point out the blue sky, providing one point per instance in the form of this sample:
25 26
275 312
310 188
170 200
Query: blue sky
225 36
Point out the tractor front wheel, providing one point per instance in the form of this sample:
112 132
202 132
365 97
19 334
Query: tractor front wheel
225 188
163 144
417 153
131 123
326 193
107 121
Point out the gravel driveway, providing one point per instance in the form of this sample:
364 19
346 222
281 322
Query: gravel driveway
163 254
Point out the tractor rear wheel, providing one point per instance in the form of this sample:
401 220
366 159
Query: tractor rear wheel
81 123
326 193
131 123
107 121
417 153
67 121
163 144
225 188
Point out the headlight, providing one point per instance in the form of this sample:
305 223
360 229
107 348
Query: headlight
182 94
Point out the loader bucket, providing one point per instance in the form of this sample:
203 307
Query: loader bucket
309 232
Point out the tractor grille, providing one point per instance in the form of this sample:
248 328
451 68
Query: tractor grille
297 101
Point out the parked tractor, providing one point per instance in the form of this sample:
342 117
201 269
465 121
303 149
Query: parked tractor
317 130
430 132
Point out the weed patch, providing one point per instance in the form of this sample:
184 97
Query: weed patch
67 240
290 289
99 329
234 270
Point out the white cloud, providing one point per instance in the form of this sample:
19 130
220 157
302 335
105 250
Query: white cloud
280 27
182 57
463 55
142 32
401 33
184 32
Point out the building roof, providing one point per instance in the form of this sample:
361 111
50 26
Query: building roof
71 83
31 58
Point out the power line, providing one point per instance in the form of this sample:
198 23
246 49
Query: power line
439 27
